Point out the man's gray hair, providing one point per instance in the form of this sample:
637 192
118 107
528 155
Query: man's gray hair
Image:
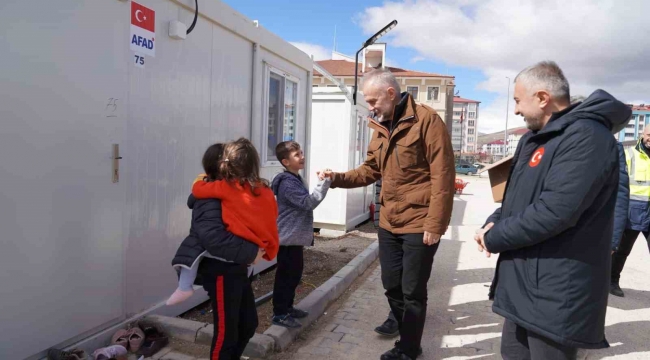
546 75
381 77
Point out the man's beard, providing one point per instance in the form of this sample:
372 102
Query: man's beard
384 117
534 124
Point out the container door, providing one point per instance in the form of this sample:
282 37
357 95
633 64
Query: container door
62 95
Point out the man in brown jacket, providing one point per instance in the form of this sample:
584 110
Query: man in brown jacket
411 152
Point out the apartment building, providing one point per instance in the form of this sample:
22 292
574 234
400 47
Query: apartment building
464 129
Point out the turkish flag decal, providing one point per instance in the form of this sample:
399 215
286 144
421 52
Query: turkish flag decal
143 17
536 158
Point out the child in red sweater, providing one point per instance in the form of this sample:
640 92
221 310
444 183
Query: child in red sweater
249 207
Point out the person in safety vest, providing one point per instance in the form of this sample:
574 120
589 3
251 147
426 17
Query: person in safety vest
638 220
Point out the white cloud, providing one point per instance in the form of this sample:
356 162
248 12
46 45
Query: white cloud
598 43
319 52
638 102
391 62
417 59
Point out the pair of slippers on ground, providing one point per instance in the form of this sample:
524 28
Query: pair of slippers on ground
146 341
113 352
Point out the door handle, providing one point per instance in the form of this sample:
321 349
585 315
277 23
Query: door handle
116 163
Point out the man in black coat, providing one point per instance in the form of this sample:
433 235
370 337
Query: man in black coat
554 229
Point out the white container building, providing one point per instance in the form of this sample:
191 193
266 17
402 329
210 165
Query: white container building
99 146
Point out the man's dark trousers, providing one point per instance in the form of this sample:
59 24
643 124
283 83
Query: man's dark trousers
406 264
624 249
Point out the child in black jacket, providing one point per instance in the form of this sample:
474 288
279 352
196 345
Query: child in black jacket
224 275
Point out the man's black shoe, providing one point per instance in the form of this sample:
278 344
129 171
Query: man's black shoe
388 328
394 354
397 354
615 290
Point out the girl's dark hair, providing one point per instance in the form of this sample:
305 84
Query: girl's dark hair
241 163
212 161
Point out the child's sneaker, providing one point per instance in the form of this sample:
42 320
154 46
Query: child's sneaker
286 321
298 314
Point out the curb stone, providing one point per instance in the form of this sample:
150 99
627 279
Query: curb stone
182 329
276 337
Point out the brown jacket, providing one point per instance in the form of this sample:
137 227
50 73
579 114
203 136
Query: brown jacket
416 165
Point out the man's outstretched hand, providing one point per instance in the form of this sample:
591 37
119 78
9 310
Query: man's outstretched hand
322 175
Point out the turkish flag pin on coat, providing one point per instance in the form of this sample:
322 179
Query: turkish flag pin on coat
537 157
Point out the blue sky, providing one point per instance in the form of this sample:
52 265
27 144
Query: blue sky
295 22
481 42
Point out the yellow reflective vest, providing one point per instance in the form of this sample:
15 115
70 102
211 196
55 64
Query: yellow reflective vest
638 165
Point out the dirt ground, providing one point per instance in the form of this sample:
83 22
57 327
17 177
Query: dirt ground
322 261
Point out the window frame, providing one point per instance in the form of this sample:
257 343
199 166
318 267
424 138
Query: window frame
428 93
411 87
265 110
361 135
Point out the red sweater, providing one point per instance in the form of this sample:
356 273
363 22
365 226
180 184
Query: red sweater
253 218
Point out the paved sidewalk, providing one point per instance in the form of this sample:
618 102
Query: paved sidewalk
460 322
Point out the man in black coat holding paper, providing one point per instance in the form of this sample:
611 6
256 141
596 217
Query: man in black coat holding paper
554 229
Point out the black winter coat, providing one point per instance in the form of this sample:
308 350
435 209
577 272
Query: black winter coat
208 233
554 229
622 199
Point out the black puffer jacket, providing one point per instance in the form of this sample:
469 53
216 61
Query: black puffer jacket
622 199
554 230
208 233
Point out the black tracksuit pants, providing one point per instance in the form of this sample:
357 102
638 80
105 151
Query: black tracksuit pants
233 305
624 249
406 264
288 274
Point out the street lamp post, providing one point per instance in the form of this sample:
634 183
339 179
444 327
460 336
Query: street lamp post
505 140
373 39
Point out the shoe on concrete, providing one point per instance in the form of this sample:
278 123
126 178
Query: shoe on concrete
615 290
397 354
394 354
74 354
389 328
286 321
113 352
298 314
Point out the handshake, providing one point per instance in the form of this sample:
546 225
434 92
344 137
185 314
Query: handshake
325 174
